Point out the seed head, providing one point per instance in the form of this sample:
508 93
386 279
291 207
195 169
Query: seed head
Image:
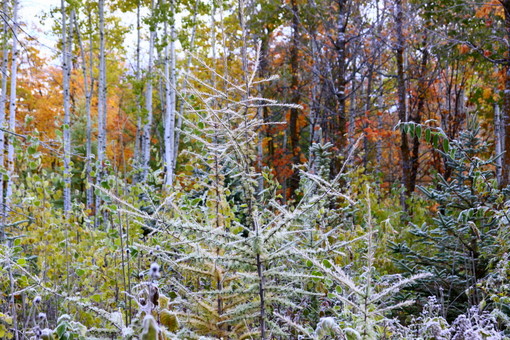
154 271
41 316
37 299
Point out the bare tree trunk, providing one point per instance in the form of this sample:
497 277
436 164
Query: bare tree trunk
138 139
12 106
66 73
296 96
402 107
340 82
380 100
368 106
498 138
3 113
88 98
314 107
170 100
101 107
505 115
146 139
416 114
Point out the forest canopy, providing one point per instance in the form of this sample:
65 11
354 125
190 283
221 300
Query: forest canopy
255 169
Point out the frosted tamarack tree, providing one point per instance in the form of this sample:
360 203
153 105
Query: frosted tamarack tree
237 260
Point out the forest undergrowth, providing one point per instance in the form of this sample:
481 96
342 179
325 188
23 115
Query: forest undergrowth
223 255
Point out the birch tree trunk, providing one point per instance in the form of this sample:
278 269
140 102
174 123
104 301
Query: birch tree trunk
101 107
146 139
12 106
498 138
505 114
3 113
138 141
66 129
338 129
170 100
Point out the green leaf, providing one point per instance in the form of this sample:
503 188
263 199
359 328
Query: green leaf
327 264
79 272
96 297
21 262
411 129
61 328
418 131
446 145
435 140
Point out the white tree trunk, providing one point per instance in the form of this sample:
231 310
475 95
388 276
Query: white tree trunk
139 129
3 113
170 101
101 113
12 107
66 70
101 107
146 140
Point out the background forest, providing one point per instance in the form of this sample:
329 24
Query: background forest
256 169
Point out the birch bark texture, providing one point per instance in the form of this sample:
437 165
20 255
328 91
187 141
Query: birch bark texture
101 109
170 73
66 72
12 106
3 113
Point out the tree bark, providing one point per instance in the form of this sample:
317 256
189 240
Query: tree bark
66 73
416 115
137 155
12 107
101 108
339 122
146 139
505 114
402 107
3 113
170 100
295 98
